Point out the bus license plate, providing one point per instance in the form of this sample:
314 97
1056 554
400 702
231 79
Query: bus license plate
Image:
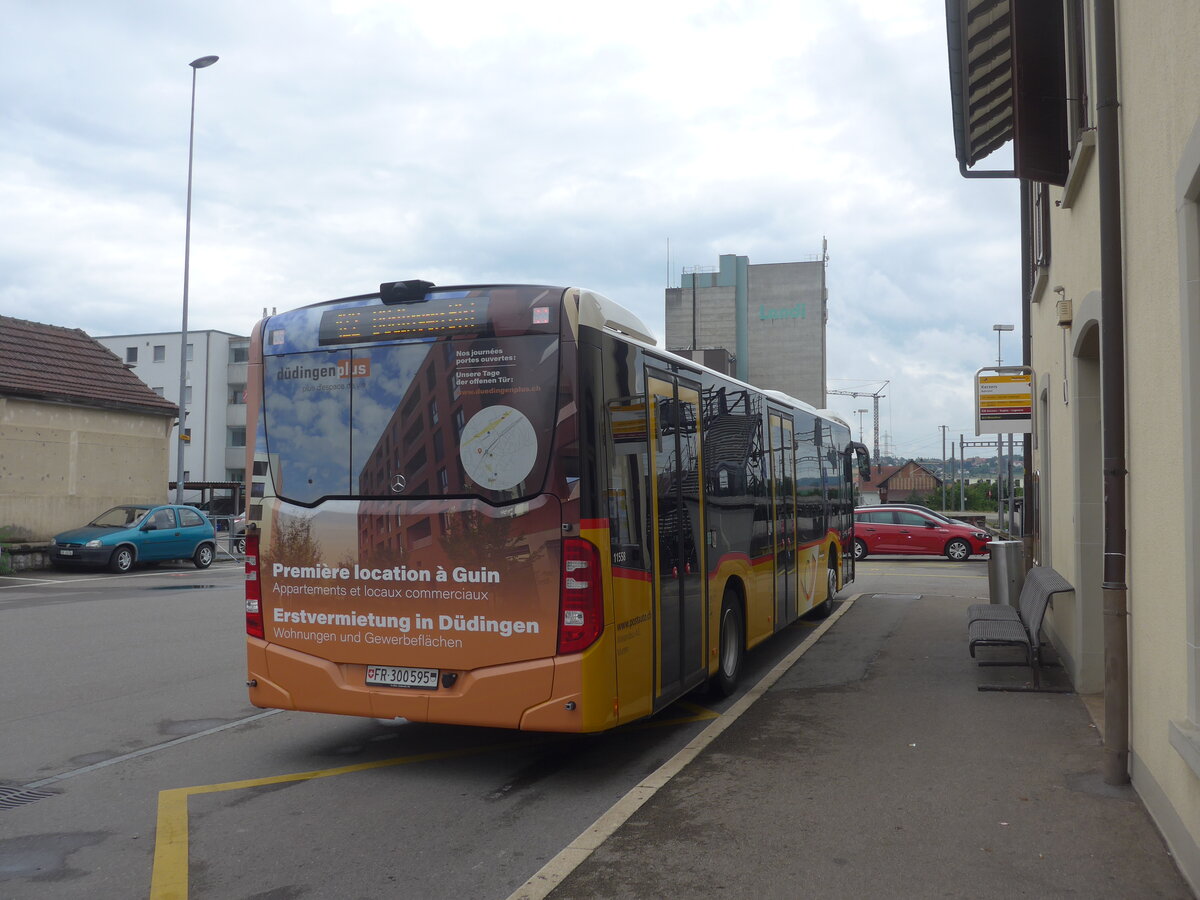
397 676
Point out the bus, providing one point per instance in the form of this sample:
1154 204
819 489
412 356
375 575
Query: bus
505 506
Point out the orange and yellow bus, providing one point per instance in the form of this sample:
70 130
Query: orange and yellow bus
504 506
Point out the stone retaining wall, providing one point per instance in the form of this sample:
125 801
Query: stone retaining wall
19 557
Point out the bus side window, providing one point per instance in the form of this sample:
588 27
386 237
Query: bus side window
626 436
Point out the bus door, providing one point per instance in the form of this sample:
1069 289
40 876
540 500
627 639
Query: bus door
678 538
783 506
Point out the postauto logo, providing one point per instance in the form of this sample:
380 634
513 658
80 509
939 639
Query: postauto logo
799 311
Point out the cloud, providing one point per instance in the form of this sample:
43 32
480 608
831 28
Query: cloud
346 143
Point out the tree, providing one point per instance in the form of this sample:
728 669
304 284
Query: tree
293 543
980 497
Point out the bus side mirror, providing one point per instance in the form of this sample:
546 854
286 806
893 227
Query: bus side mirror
864 458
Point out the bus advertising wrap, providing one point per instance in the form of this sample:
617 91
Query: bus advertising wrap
474 595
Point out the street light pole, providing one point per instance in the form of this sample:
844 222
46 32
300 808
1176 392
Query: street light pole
861 413
201 63
1000 438
944 427
998 329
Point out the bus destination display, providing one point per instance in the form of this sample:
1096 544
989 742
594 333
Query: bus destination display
434 318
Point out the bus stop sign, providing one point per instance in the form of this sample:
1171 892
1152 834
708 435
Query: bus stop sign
1004 400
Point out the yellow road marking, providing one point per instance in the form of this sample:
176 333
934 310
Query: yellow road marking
169 880
699 714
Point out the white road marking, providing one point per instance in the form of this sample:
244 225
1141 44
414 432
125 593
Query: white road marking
552 874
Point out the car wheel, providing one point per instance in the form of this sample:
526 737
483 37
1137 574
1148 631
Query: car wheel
860 548
240 546
122 560
958 550
732 647
203 556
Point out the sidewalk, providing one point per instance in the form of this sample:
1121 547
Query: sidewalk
874 768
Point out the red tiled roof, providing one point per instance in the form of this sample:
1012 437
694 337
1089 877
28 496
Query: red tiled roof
879 475
47 362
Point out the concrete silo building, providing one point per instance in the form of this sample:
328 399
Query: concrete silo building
765 324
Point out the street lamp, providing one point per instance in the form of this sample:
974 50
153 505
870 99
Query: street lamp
202 63
861 413
998 329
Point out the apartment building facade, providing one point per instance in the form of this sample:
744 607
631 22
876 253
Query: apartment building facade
214 395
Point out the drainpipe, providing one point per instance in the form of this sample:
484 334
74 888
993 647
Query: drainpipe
1112 400
1028 499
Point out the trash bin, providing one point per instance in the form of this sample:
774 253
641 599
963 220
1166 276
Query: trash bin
1006 571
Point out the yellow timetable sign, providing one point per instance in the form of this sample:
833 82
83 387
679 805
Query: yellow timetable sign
1003 402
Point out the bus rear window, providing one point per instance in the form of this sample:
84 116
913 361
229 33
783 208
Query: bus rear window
429 418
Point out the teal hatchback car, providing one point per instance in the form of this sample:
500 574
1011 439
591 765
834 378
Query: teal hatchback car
126 535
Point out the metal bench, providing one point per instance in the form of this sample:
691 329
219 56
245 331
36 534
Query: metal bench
1000 625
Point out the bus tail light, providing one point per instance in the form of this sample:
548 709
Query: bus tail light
254 616
582 603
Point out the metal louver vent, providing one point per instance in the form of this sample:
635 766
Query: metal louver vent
1065 312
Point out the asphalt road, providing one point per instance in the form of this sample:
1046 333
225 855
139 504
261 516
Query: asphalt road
131 764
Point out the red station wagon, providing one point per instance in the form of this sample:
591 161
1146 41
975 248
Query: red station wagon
884 529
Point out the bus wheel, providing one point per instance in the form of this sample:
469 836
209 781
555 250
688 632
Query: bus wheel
825 607
732 647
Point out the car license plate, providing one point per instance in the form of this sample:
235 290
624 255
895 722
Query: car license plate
66 552
398 676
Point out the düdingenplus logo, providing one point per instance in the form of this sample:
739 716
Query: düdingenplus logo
346 368
355 368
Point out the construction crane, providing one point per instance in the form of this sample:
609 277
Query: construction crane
875 396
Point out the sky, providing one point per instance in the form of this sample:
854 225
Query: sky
609 146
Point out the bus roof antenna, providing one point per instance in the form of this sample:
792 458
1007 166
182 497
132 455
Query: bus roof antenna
393 292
